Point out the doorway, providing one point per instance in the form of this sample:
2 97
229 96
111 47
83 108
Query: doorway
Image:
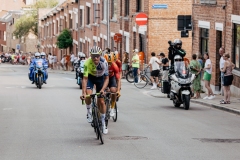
218 45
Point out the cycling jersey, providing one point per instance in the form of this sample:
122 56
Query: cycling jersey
114 71
100 70
119 64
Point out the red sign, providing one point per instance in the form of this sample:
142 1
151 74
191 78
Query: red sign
117 37
141 19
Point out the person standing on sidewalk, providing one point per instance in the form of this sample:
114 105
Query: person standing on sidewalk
207 76
135 65
155 69
125 61
195 67
72 58
228 78
221 65
200 60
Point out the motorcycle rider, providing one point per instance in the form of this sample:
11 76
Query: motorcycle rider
175 49
31 74
81 66
45 67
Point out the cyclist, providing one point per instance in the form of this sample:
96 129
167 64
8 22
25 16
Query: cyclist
95 73
117 61
114 81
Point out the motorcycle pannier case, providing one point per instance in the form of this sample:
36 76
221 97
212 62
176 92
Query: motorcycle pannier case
165 87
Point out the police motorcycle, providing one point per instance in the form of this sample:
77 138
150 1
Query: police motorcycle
79 67
180 83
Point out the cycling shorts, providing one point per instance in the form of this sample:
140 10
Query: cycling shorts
112 82
155 73
97 81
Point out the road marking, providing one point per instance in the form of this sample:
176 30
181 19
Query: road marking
71 79
5 109
9 87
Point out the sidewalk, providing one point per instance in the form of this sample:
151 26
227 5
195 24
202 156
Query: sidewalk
234 107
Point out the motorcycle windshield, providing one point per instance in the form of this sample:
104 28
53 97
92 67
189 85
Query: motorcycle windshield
39 64
181 70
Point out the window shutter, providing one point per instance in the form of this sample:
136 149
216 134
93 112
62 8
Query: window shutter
188 22
181 22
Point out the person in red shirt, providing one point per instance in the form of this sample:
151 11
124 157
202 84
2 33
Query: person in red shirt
115 56
114 81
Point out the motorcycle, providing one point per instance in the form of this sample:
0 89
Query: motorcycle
6 59
38 73
78 73
180 83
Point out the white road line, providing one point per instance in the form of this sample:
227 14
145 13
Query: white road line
5 109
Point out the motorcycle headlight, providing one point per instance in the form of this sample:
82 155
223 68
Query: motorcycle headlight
184 81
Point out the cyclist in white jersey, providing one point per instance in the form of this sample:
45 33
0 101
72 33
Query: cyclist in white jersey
95 73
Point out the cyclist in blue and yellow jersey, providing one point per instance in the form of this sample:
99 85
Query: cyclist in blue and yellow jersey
95 73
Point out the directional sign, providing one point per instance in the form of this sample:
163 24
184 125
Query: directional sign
159 6
141 19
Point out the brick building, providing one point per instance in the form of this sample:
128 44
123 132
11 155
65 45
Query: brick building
65 15
215 24
3 37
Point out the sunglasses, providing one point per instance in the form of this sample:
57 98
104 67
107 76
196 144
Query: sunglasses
95 56
178 60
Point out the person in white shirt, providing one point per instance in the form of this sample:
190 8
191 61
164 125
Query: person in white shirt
72 58
63 62
207 76
221 66
155 69
50 60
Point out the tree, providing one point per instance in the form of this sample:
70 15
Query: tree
29 21
64 40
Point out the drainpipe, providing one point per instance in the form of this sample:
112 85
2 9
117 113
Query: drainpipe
108 24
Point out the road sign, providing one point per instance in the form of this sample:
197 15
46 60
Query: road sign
117 37
141 19
159 6
18 47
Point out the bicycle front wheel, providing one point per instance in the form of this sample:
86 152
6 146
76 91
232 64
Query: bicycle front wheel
142 82
98 124
130 77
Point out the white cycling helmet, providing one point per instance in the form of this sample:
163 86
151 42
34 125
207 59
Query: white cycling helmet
96 50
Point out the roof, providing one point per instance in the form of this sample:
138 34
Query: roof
8 15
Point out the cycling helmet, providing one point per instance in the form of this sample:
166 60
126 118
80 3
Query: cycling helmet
177 43
37 54
114 55
95 50
135 50
43 55
81 55
108 57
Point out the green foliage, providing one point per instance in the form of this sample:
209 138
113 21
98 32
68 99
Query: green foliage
64 40
29 21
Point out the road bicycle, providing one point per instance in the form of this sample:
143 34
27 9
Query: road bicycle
96 122
108 106
144 79
129 75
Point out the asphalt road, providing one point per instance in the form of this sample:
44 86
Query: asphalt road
50 124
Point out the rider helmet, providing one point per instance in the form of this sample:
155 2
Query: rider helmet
115 55
37 55
108 57
43 55
177 43
95 50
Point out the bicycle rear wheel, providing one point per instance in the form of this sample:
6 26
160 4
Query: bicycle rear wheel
130 77
98 125
107 112
94 122
142 82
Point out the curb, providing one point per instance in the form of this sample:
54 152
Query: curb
230 110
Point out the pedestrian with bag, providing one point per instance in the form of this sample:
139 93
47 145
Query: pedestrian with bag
135 65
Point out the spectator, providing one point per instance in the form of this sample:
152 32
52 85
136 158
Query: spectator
50 60
207 76
199 56
221 65
165 66
155 70
72 60
196 69
228 78
62 63
67 60
135 65
125 61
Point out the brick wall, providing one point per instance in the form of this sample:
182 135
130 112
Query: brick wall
2 41
162 26
11 5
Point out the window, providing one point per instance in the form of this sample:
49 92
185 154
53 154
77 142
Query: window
126 8
134 40
76 20
235 57
114 9
112 43
56 26
80 47
184 22
70 21
81 18
204 40
5 38
104 10
138 5
208 1
88 16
